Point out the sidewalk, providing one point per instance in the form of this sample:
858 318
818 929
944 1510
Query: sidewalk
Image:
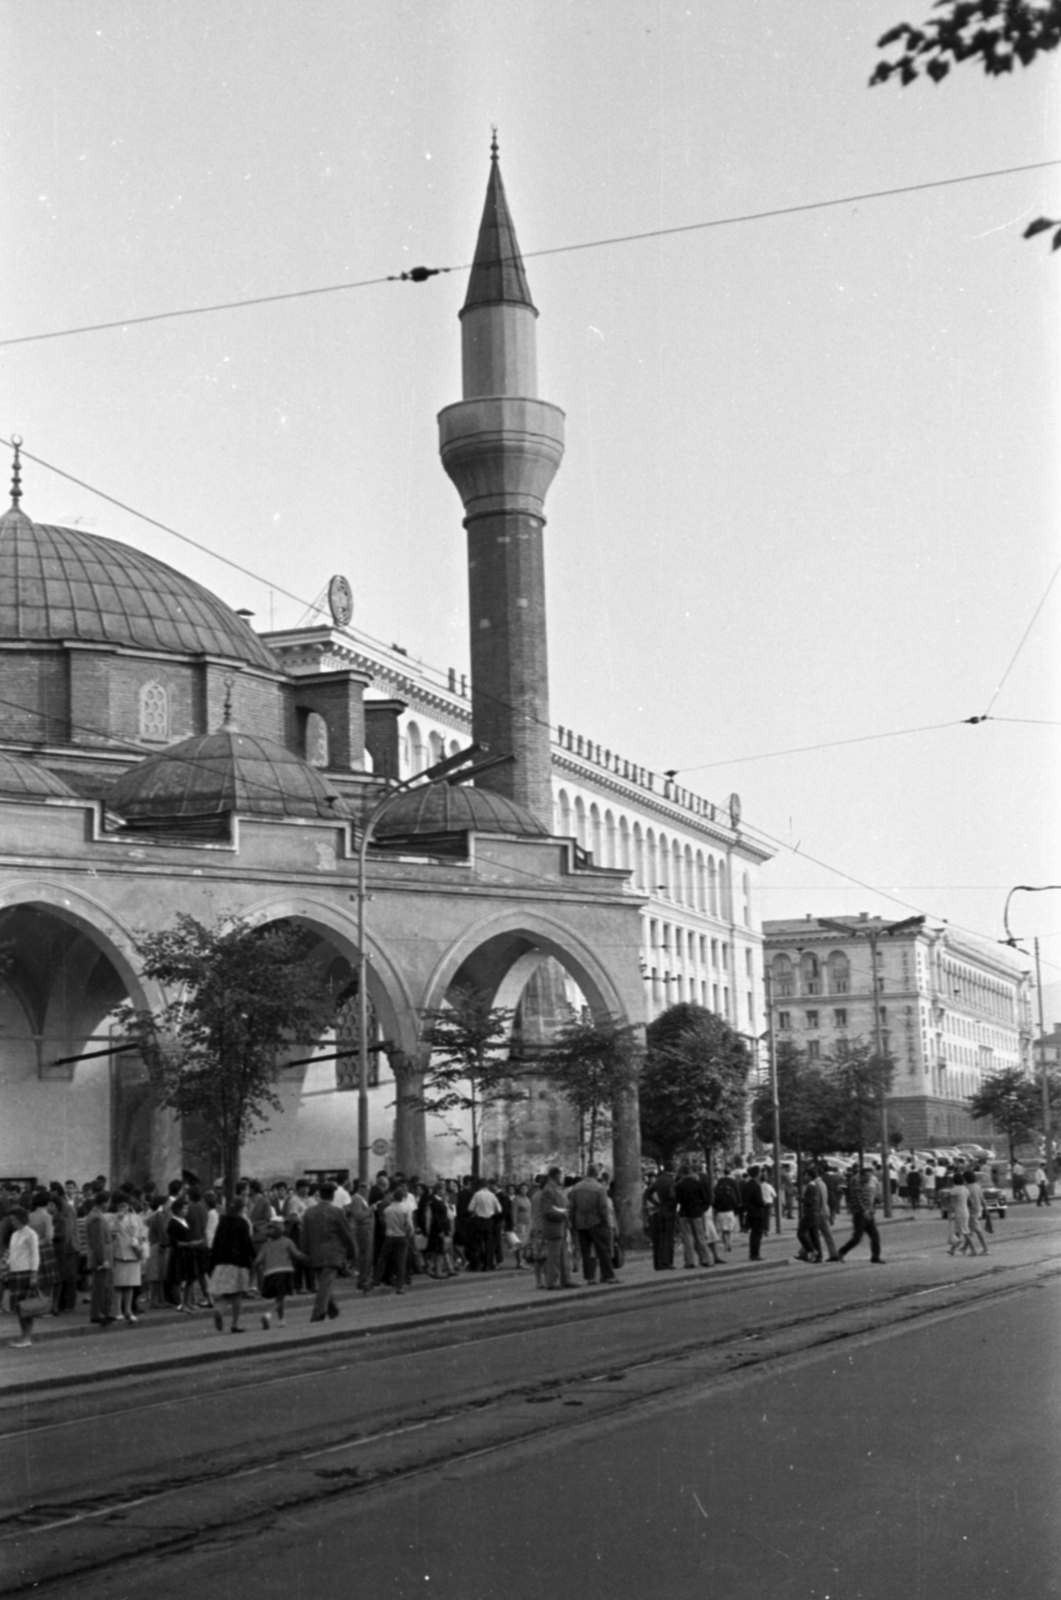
69 1350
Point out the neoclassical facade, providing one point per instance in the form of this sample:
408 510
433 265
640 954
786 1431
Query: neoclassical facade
951 1011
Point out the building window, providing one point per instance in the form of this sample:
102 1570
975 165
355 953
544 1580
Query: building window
154 712
784 1020
810 973
316 751
814 1050
812 1019
839 973
781 972
840 1019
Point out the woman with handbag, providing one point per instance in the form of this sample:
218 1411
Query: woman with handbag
23 1266
128 1254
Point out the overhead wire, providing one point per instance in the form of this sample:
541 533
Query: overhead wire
421 274
1024 638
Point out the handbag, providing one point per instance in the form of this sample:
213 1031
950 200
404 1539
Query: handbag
34 1305
420 1241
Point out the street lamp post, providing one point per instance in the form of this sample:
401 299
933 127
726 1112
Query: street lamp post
441 770
775 1102
1044 1076
873 931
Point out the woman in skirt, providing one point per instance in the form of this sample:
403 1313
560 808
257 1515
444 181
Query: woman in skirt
231 1263
23 1267
521 1222
128 1253
40 1220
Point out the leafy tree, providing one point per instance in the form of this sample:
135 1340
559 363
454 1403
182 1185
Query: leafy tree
808 1100
997 33
590 1062
860 1080
469 1068
1014 1104
242 996
693 1084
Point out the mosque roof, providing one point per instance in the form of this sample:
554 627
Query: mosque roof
444 808
63 583
216 773
497 275
24 780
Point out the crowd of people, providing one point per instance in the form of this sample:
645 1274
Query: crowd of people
133 1250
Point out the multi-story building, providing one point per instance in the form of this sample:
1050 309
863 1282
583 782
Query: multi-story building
951 1011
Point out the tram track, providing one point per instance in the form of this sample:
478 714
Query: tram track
219 1502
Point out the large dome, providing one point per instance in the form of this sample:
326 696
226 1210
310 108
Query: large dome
61 583
436 808
217 773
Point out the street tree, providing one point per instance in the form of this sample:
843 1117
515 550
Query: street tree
693 1084
860 1079
591 1062
999 34
469 1070
808 1101
238 999
1013 1102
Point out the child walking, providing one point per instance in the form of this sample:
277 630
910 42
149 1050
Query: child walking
275 1265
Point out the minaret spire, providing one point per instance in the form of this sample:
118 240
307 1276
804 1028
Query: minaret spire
16 473
501 445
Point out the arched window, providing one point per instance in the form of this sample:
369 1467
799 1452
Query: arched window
154 712
663 883
677 886
316 740
810 975
625 859
651 869
783 978
563 812
611 856
746 890
415 747
724 908
689 877
454 747
596 841
839 973
639 857
712 878
580 822
701 882
436 748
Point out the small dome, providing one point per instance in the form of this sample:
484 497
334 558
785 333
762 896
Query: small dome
442 807
24 780
62 583
217 773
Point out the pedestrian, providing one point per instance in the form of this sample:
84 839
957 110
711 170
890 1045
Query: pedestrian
23 1266
1020 1189
754 1212
824 1221
397 1240
363 1222
663 1205
231 1262
861 1199
1043 1185
483 1207
913 1187
554 1231
275 1266
810 1245
535 1247
100 1251
726 1207
439 1257
521 1221
693 1196
128 1255
977 1209
769 1196
958 1232
588 1209
327 1241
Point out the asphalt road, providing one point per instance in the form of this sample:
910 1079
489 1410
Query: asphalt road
793 1431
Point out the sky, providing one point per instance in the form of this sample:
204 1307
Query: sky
810 495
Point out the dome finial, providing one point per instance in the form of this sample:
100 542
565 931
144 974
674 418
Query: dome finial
228 723
16 472
493 142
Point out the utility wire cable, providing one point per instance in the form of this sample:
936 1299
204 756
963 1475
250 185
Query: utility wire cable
421 274
1024 638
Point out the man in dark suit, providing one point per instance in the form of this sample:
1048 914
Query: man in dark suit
755 1211
99 1245
328 1241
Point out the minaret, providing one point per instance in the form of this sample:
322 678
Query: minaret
501 445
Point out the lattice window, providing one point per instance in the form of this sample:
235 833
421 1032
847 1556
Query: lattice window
154 712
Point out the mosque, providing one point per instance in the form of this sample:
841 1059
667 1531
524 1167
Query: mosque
158 756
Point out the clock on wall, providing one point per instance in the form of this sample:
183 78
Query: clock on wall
340 600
